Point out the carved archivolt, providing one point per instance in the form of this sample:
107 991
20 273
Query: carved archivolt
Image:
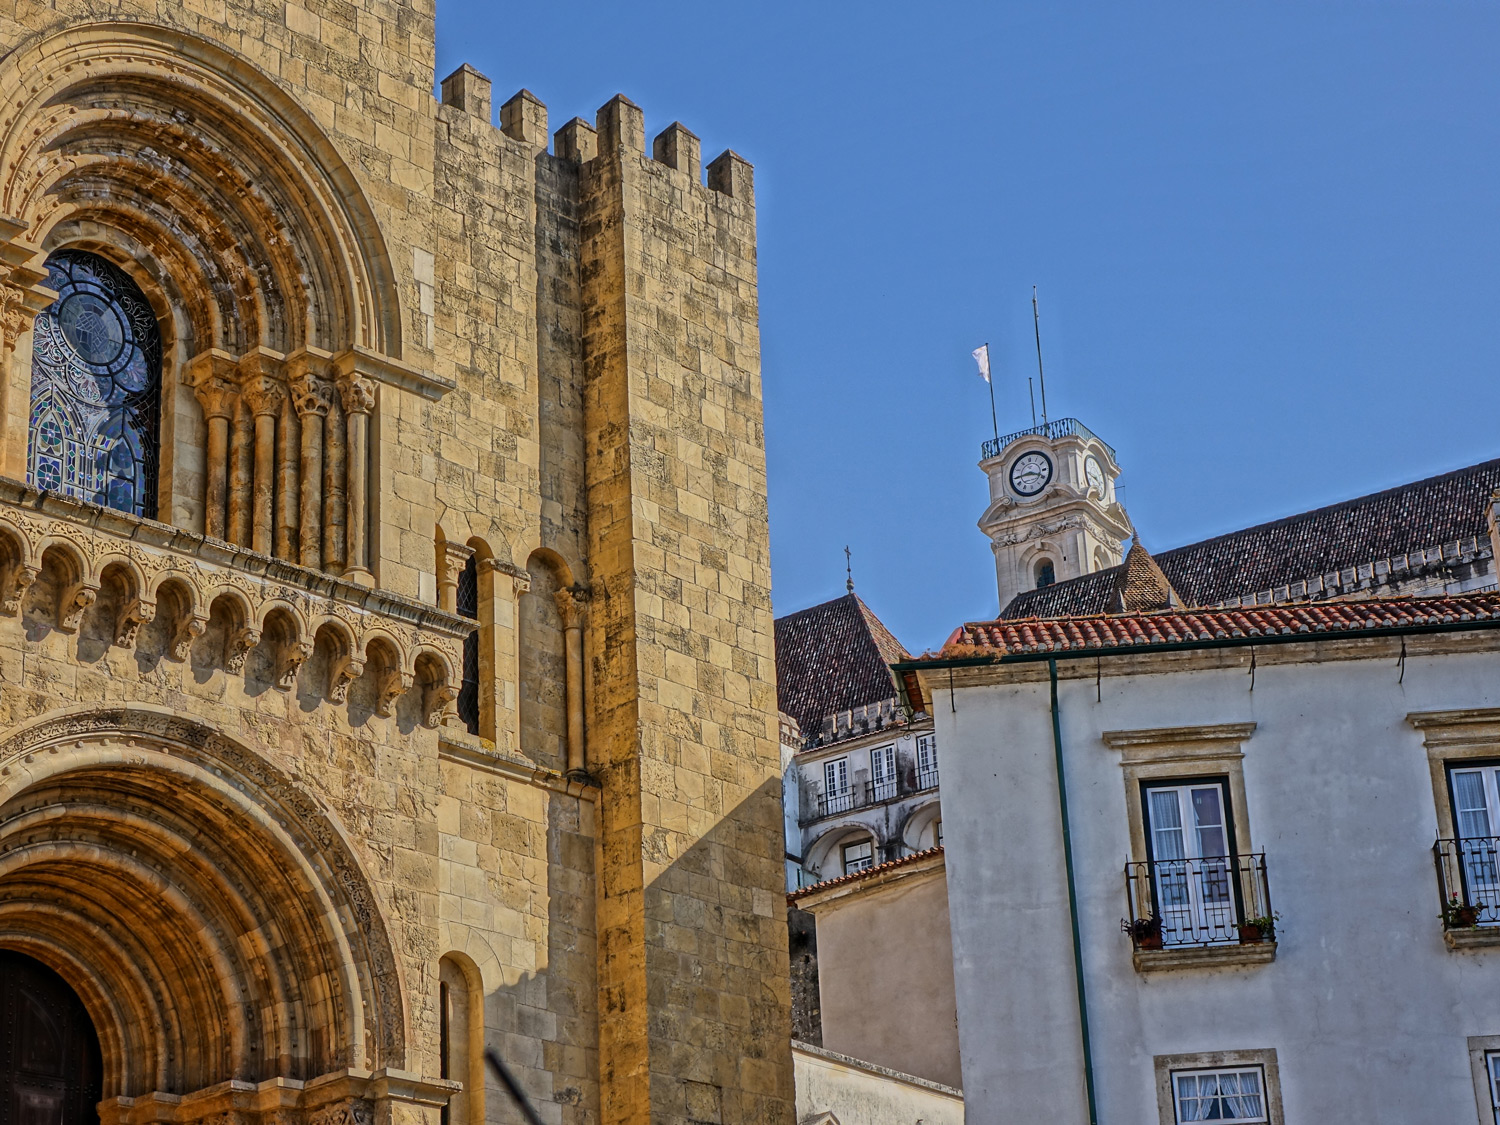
226 929
181 590
192 150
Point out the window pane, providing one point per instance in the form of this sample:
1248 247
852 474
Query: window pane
1226 1095
95 387
1209 819
1468 794
1166 825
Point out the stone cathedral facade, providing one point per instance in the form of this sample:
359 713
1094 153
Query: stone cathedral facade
385 639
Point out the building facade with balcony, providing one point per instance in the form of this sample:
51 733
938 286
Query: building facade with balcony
861 768
1231 865
385 642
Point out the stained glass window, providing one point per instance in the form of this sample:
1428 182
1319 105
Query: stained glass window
95 388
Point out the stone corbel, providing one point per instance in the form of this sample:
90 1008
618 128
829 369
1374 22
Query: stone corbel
389 687
189 627
289 660
136 612
346 668
17 582
437 705
73 602
238 647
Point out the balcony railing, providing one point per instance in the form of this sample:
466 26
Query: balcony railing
1468 875
862 795
1063 427
1179 903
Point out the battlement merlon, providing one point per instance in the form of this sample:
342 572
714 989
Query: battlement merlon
620 127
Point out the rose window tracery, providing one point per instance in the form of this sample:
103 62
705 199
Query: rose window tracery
95 387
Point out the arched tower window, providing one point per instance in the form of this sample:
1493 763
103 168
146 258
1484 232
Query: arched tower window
95 388
468 606
1046 574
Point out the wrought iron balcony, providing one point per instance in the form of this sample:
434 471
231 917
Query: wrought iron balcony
1062 427
1186 903
863 795
1468 876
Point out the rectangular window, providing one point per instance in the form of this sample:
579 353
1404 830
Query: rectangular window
1492 1072
927 767
1220 1095
859 857
836 794
1192 871
882 773
1475 793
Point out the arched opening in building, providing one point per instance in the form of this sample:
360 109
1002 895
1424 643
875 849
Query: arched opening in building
51 1069
95 417
467 605
1046 573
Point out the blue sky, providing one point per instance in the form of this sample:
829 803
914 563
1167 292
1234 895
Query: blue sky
1265 236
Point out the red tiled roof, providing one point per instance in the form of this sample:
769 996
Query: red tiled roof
856 876
833 657
1206 627
1399 521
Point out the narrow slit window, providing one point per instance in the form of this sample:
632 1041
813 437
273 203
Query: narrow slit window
468 606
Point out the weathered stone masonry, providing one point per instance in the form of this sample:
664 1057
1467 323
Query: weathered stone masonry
397 339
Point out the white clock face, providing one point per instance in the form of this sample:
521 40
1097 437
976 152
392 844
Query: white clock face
1030 474
1095 473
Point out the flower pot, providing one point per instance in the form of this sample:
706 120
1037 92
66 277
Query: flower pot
1463 917
1149 941
1251 934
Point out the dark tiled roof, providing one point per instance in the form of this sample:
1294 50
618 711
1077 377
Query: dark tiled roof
1009 637
1140 585
833 657
854 877
1384 525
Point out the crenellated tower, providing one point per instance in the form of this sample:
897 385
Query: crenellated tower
1053 513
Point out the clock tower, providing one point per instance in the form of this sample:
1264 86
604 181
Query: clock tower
1052 513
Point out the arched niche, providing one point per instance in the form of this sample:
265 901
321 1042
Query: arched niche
211 917
542 656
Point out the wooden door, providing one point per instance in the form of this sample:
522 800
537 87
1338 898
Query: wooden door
50 1071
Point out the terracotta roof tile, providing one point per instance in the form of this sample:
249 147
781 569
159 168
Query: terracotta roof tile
1007 637
833 657
1383 525
856 876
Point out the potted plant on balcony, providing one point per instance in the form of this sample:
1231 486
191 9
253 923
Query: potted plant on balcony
1262 928
1459 915
1145 932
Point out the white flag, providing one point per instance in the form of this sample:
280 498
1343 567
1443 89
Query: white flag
982 357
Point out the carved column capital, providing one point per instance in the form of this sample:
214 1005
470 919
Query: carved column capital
451 560
20 301
311 396
213 376
356 392
572 601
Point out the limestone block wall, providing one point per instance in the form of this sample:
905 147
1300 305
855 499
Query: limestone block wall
398 338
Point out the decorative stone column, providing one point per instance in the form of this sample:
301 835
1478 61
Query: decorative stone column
22 296
334 468
312 397
451 560
357 395
211 375
264 396
288 507
241 470
571 601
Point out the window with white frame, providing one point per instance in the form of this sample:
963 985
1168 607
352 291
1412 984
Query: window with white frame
1231 1094
882 773
859 857
837 796
1492 1072
927 767
1475 792
1187 833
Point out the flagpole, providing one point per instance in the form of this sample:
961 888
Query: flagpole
1036 321
994 419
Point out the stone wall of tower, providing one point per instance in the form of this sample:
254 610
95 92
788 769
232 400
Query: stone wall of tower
565 389
693 964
